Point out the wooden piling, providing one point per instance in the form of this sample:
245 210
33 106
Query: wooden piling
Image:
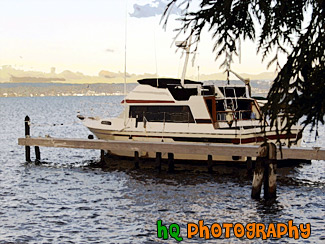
27 128
270 173
37 154
249 165
136 159
265 171
158 161
27 135
210 164
258 178
170 163
102 156
259 171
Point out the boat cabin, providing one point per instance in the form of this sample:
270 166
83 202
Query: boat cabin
166 100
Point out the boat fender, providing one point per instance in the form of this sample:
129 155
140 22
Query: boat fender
136 121
145 122
229 117
79 116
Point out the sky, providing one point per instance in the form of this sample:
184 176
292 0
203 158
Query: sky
89 36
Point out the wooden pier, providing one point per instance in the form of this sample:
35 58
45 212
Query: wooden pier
165 147
266 154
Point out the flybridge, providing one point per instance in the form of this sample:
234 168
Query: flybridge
166 82
179 92
191 87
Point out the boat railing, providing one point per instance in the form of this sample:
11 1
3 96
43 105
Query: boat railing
236 115
184 117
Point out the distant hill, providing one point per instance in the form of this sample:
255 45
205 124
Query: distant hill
25 89
35 79
10 74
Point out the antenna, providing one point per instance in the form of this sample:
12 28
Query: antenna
198 73
239 53
154 36
198 66
186 46
125 42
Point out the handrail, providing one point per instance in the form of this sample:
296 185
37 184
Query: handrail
183 117
237 115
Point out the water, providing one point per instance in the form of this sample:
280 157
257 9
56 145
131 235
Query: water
64 200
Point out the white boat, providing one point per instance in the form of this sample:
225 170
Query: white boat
179 110
162 110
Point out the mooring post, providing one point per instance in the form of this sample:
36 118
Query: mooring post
102 156
27 134
270 173
249 165
37 154
136 159
210 164
258 178
158 161
170 162
259 171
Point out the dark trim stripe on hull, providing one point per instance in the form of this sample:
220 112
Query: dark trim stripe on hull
233 140
203 121
147 101
209 140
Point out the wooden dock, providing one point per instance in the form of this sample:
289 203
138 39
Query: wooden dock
165 147
265 166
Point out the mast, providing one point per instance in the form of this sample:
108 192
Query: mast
246 81
186 46
125 41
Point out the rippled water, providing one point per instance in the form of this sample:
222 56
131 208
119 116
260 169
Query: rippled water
63 200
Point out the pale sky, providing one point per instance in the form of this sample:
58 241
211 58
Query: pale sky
89 36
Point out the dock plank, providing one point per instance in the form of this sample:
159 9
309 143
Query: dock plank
165 147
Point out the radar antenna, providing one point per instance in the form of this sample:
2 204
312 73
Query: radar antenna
246 82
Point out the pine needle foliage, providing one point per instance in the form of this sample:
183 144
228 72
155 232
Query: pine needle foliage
293 27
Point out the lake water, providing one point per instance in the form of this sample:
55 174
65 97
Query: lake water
64 200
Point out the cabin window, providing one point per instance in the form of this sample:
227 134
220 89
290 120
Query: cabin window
171 114
242 107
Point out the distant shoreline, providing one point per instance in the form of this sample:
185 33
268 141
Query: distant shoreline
15 89
10 73
63 95
12 89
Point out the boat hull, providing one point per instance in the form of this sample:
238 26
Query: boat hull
197 138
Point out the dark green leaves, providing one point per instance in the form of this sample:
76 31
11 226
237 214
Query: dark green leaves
282 26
